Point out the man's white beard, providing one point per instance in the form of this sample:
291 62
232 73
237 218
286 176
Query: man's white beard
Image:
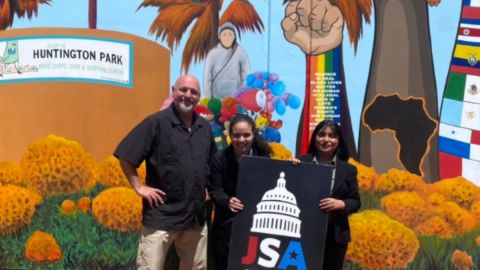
185 108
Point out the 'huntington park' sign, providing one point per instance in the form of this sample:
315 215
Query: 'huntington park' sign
66 58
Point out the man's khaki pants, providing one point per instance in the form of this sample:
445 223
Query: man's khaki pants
191 247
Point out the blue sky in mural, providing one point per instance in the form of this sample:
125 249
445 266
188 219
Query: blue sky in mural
267 51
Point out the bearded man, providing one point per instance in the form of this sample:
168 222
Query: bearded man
176 145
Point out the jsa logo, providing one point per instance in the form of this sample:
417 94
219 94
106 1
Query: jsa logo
269 256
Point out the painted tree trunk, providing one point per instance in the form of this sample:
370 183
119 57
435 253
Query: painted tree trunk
399 120
92 14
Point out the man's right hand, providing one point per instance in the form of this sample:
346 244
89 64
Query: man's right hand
154 196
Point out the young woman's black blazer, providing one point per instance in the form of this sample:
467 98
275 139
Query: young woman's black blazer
345 188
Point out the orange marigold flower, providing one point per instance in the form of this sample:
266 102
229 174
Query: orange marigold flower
118 208
279 151
379 242
55 165
367 176
10 173
435 199
17 207
67 207
475 210
477 240
84 204
435 226
42 247
461 220
459 190
461 260
407 207
398 180
110 173
426 190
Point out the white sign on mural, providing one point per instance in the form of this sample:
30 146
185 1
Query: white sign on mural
52 58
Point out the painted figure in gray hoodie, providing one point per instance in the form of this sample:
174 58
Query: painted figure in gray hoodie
226 65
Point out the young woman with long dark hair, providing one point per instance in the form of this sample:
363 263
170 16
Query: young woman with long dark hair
223 182
328 147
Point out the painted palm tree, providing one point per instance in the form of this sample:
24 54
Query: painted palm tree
174 16
316 27
21 8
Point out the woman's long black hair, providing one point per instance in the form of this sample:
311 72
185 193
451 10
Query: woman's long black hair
342 150
260 146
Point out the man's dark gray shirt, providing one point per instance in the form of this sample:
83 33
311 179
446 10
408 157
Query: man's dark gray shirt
177 163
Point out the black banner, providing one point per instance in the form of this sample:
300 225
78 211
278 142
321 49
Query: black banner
281 226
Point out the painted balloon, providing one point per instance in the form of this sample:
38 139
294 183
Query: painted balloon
294 102
280 107
273 77
272 135
277 88
266 75
250 79
258 84
253 100
285 97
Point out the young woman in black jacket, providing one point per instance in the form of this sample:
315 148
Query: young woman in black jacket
328 147
223 182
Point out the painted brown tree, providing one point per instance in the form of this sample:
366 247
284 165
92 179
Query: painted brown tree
401 72
175 16
21 8
92 14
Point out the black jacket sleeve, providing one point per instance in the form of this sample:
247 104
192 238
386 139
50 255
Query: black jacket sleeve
216 182
352 198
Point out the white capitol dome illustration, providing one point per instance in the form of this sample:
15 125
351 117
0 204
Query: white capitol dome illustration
278 212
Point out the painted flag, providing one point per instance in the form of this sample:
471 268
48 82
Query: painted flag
459 130
461 103
462 87
472 89
472 3
455 133
451 112
475 152
470 12
471 169
470 115
453 166
458 141
465 59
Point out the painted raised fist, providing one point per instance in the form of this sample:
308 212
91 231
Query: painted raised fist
316 26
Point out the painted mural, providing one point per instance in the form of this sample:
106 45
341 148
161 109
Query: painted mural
401 77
